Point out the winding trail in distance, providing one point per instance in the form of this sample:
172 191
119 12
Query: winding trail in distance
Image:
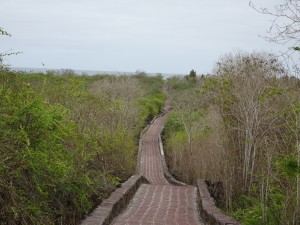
159 202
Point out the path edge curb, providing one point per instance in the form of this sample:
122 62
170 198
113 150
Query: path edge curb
138 170
167 174
116 203
120 198
208 210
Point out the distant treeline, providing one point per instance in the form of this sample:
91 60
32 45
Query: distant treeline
86 72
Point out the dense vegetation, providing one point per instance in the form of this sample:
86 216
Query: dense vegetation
67 141
240 130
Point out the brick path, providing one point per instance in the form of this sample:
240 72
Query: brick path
159 202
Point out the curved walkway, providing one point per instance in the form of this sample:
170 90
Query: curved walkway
159 202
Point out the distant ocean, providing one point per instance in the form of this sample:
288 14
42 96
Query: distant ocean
86 72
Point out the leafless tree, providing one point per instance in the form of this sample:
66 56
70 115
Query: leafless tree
285 30
247 105
122 94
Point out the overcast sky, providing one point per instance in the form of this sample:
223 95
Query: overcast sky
167 36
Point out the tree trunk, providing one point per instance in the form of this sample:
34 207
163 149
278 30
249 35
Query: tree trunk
298 187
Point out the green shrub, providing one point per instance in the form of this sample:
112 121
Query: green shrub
151 106
64 148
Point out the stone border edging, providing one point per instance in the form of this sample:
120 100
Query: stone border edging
140 142
167 174
120 198
116 203
209 212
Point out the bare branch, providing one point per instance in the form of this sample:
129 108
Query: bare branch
285 30
4 32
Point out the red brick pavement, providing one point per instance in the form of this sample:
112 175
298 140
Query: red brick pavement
150 165
159 202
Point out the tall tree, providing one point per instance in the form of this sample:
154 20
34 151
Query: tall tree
285 29
192 75
246 80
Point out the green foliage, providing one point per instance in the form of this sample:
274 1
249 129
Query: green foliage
271 92
63 148
35 164
151 105
153 84
3 66
296 48
4 32
289 168
173 123
211 84
192 76
179 84
250 213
